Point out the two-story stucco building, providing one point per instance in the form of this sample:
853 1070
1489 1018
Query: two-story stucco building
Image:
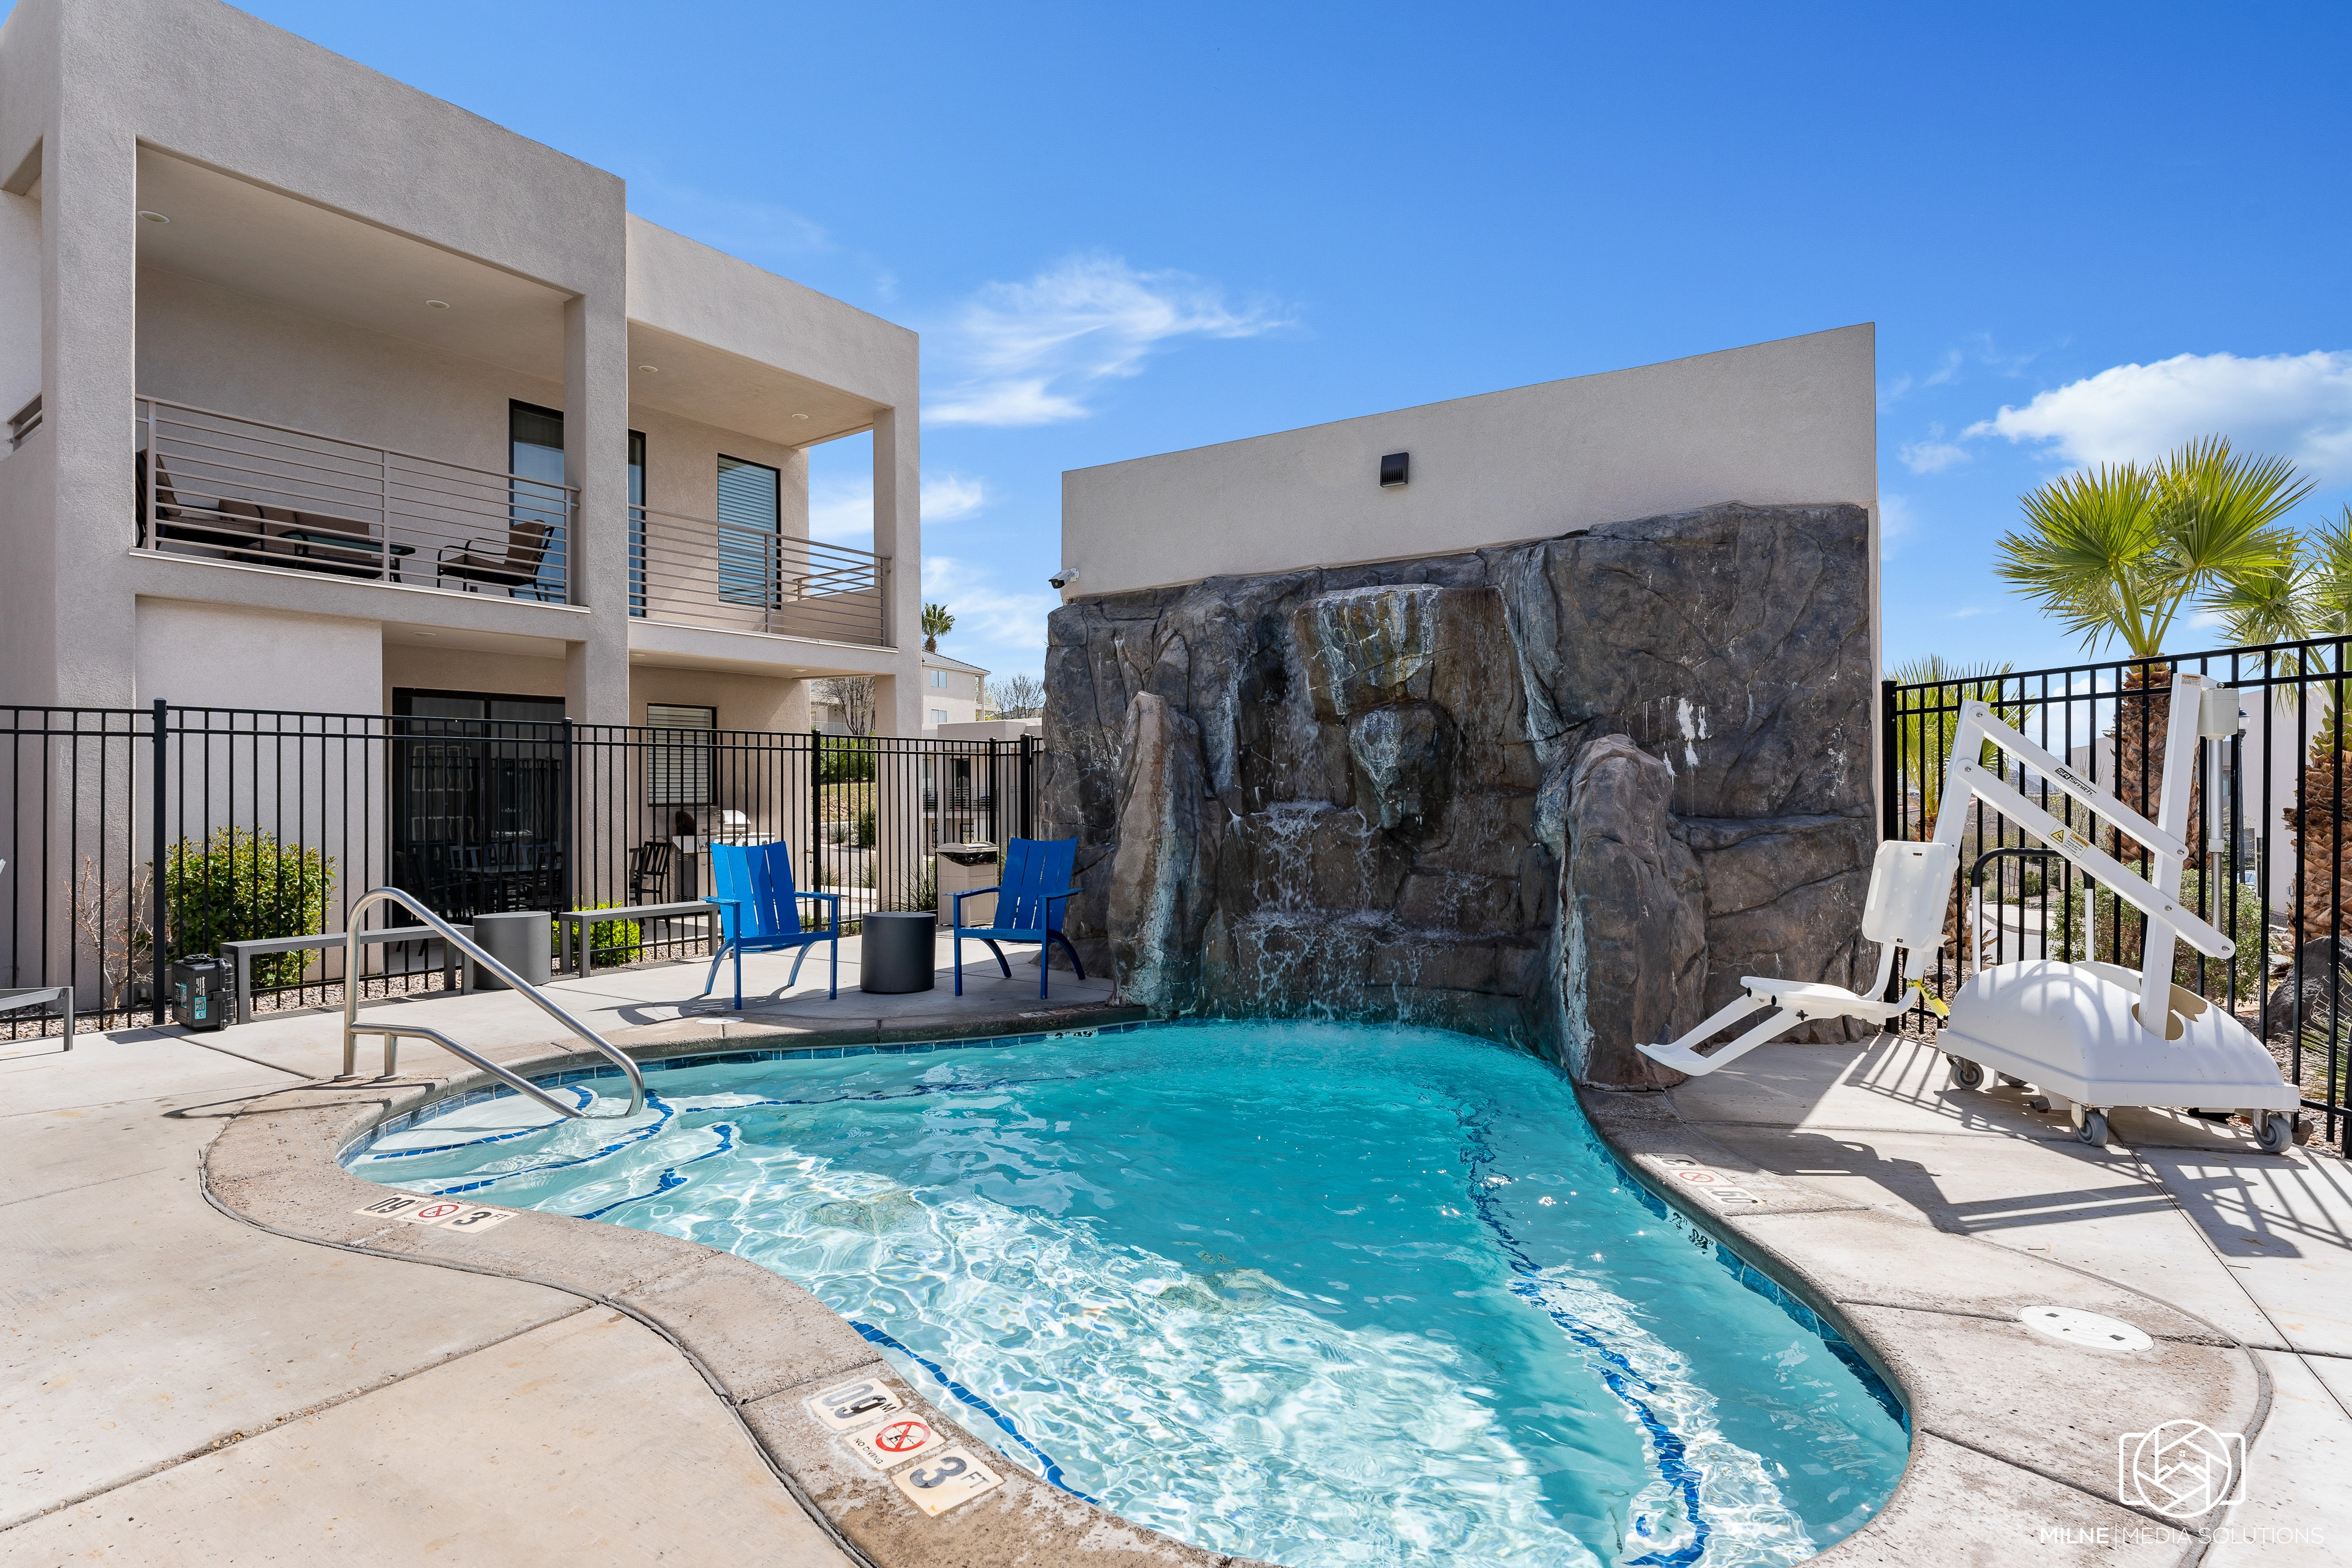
332 396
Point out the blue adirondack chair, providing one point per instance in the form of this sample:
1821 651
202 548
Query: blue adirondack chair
1029 899
759 912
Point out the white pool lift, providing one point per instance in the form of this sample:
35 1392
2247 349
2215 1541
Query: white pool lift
2073 1032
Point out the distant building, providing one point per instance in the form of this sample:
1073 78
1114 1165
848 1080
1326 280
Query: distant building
951 692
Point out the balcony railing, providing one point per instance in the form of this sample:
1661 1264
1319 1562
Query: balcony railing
216 485
695 571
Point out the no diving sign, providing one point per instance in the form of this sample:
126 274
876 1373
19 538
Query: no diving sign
896 1441
443 1214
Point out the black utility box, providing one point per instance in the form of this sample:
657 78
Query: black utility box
200 998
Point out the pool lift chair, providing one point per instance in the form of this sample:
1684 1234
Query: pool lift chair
1910 888
2079 1033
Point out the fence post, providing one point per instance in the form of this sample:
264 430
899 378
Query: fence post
816 807
1028 787
155 944
564 836
1890 766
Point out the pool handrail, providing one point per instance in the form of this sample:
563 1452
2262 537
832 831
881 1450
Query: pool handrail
391 1032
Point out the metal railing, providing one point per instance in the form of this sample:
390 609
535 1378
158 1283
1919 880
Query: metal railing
2270 831
136 837
226 488
392 1033
700 571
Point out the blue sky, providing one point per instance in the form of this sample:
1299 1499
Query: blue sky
1126 230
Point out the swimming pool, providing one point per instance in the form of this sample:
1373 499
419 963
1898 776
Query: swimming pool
1321 1294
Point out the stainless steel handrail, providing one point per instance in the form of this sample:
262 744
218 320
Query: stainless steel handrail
391 1032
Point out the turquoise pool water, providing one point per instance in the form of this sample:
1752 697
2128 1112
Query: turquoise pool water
1321 1294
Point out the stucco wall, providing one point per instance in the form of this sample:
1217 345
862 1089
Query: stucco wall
229 657
1785 422
201 344
467 670
744 702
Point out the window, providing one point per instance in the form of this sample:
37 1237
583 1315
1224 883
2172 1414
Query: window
939 715
750 499
678 763
535 495
940 678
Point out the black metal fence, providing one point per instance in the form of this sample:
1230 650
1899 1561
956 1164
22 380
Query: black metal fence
209 825
2270 816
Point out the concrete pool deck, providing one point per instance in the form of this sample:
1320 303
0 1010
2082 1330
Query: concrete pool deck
181 1386
1927 1216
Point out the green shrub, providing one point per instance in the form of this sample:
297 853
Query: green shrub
2250 963
845 761
865 827
239 885
610 942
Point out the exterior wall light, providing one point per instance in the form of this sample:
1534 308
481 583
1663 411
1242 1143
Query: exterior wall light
154 217
1395 469
439 304
650 370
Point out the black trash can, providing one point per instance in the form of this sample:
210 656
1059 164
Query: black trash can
521 939
897 951
200 998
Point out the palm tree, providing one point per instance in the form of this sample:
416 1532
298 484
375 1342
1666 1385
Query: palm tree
1924 739
937 623
2116 553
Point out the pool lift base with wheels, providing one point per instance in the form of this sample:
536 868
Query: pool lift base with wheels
2094 1036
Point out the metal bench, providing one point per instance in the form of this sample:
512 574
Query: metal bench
14 996
240 955
571 921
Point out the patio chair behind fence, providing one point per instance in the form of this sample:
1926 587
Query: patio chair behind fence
2271 827
215 824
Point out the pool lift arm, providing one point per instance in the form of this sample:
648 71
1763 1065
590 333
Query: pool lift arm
1968 779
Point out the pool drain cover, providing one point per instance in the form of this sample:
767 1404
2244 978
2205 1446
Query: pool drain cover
2089 1330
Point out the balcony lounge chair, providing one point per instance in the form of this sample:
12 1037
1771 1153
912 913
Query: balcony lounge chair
1029 907
759 912
476 567
231 529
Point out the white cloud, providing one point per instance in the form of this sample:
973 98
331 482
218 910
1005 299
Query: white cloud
1967 611
987 612
1932 454
843 509
2298 405
1033 353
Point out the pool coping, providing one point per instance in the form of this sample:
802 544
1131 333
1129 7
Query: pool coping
2013 1435
1984 1475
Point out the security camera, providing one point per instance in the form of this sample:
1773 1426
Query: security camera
1064 577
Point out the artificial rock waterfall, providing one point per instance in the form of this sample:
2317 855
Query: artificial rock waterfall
1563 793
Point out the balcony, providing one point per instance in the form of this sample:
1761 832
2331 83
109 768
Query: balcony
217 486
698 572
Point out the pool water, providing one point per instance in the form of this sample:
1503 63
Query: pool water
1320 1294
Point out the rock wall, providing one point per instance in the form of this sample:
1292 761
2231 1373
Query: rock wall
1563 793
